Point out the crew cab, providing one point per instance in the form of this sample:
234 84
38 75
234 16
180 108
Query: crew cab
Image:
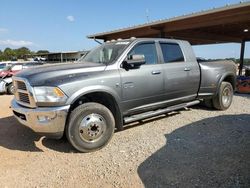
115 84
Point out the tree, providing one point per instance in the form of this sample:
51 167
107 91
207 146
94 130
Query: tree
42 52
13 54
1 56
9 54
22 52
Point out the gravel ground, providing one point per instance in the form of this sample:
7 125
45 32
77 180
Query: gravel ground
196 147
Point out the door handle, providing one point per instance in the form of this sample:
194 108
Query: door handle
156 72
187 69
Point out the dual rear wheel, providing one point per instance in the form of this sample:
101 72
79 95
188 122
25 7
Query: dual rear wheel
223 99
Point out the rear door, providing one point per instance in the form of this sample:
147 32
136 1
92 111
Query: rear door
181 74
144 85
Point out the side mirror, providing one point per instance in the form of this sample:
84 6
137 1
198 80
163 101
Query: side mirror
134 61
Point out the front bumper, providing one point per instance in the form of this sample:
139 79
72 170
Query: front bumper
47 121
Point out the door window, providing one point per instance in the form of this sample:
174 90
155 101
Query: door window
148 50
171 52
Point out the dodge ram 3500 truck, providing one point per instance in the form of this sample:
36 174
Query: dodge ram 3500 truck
117 83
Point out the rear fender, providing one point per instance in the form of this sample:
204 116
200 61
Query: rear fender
223 78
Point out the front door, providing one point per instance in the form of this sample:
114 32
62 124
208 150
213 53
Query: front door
144 85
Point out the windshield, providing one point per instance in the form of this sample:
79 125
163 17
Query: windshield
7 68
2 66
106 53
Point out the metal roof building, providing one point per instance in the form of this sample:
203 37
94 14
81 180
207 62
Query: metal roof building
230 23
70 56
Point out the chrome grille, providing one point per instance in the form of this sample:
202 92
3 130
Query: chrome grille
21 85
23 93
24 97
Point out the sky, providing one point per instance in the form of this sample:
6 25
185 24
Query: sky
62 25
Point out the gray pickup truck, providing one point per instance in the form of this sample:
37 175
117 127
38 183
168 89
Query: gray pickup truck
115 84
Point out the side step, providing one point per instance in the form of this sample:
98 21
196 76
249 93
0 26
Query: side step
150 114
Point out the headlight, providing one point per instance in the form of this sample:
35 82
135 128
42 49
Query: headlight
49 94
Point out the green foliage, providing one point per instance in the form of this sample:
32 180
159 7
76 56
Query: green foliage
245 62
9 54
21 53
42 52
13 54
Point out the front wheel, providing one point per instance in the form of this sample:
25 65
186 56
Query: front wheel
10 89
90 127
224 98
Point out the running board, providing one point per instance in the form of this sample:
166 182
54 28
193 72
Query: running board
150 114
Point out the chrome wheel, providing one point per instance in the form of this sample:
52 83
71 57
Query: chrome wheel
92 128
12 89
226 96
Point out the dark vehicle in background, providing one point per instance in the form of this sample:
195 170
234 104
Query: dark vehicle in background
115 84
2 65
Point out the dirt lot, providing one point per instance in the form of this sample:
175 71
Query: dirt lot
190 148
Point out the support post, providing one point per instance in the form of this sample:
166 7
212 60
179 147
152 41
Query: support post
162 34
61 57
242 53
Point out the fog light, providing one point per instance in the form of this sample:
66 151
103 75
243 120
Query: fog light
43 118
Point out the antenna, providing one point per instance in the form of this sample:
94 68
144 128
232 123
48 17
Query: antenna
147 15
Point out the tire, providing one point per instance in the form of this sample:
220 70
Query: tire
10 89
224 98
208 103
90 127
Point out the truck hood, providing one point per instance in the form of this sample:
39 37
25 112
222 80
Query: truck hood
54 75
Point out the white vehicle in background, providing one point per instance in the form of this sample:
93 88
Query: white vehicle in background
6 74
6 85
4 64
40 59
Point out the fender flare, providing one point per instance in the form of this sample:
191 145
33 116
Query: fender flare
99 88
223 78
92 89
